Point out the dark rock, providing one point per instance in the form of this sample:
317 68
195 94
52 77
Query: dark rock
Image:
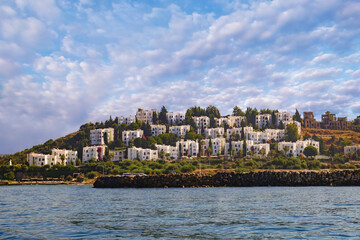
222 179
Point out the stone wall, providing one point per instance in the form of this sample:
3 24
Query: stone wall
231 179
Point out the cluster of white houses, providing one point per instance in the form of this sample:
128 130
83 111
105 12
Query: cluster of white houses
217 140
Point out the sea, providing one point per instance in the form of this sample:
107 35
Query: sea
84 212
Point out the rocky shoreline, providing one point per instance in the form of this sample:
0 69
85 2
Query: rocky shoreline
232 179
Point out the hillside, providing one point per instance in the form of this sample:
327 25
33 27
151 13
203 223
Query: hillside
339 138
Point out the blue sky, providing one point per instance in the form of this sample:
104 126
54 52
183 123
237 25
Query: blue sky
65 63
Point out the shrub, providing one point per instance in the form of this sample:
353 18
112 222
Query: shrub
9 176
69 178
91 175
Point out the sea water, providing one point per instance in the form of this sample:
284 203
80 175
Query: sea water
83 212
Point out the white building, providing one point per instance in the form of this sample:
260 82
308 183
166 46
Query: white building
175 118
282 117
157 130
217 145
97 136
351 149
221 121
38 159
127 120
202 122
69 155
188 148
171 150
276 134
146 115
131 134
118 155
256 148
93 152
232 131
248 129
265 136
179 130
262 120
214 132
142 154
296 149
235 145
235 121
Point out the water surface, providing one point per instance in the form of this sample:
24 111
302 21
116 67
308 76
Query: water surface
83 212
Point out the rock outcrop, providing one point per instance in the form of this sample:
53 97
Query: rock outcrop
232 179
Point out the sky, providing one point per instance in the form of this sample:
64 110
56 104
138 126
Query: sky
65 63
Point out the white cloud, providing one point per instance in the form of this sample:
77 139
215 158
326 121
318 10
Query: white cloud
84 61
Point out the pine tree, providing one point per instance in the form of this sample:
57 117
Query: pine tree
297 116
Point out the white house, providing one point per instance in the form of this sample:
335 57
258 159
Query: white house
266 135
217 145
171 150
157 130
276 134
97 136
175 118
118 155
127 120
351 149
221 121
214 132
232 131
188 147
93 152
54 158
235 121
296 149
38 159
131 134
70 156
262 120
248 129
235 145
179 130
142 154
282 117
146 115
255 148
202 122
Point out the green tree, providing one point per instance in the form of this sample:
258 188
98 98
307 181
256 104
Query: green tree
162 115
291 133
238 112
212 111
62 157
190 136
310 151
297 116
106 138
332 150
154 118
244 149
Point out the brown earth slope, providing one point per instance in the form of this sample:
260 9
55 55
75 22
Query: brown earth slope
328 134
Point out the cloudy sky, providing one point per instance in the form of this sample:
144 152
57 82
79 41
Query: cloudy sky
65 63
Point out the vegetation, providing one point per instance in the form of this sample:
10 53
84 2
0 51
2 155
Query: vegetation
291 133
332 144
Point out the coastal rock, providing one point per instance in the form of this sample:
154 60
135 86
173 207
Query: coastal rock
232 179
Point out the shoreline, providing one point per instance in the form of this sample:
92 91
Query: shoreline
232 179
16 183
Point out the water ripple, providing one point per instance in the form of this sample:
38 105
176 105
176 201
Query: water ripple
82 212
